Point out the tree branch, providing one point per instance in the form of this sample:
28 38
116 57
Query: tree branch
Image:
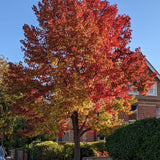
88 129
83 124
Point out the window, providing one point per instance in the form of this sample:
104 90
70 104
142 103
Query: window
133 92
153 91
158 112
101 137
65 138
134 116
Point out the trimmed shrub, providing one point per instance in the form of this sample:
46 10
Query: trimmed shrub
137 141
86 151
51 150
47 151
98 146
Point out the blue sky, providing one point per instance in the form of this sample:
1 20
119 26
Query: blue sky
145 23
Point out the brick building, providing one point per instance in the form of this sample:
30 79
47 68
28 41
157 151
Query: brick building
147 106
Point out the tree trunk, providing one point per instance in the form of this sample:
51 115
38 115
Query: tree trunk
76 133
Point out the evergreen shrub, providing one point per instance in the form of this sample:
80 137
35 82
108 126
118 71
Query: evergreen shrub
136 141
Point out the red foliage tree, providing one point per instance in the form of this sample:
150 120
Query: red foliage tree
79 69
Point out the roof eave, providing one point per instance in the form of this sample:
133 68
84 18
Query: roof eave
152 69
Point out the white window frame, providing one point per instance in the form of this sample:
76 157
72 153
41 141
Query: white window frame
153 91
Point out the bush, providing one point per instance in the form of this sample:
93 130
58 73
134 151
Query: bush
98 146
86 151
51 150
47 151
137 141
68 151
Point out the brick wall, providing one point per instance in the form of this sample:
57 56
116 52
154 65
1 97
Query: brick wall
90 137
146 110
87 137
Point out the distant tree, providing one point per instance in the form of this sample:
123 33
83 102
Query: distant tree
18 140
6 116
10 123
79 69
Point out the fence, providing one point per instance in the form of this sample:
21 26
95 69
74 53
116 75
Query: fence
20 155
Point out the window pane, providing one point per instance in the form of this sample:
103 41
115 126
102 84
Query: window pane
134 116
158 112
153 91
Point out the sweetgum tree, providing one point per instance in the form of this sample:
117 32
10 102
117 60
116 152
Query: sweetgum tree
79 69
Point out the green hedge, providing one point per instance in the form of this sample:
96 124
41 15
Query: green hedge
86 150
137 141
98 146
50 150
46 150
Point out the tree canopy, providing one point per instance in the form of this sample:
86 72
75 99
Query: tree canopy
79 68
